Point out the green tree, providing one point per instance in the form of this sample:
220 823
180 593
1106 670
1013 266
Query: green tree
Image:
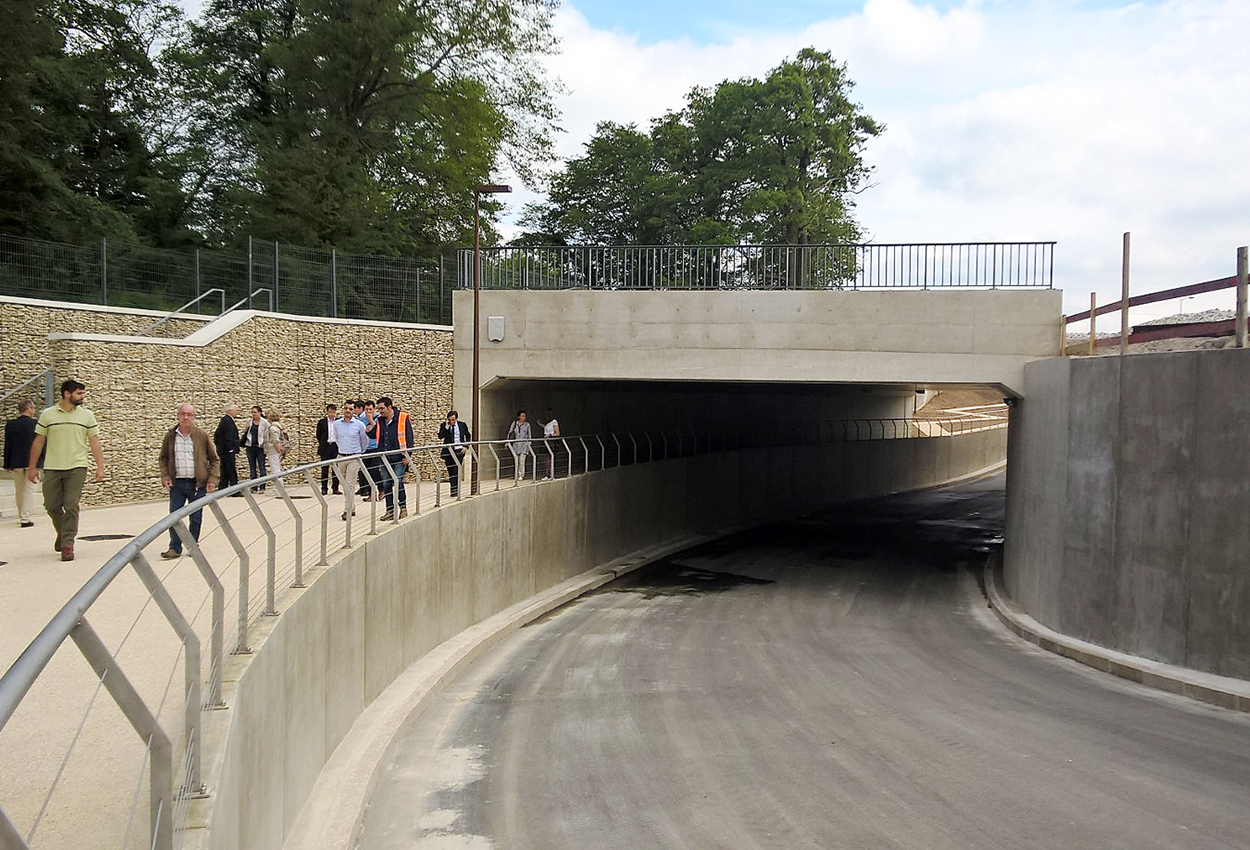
365 123
776 160
83 103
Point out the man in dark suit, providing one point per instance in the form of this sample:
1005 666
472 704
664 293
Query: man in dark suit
226 441
455 436
327 446
19 433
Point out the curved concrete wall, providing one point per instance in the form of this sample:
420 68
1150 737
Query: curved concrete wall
339 642
1128 488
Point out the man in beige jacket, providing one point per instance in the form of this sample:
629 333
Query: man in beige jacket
189 469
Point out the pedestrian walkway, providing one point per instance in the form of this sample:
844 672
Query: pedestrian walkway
65 708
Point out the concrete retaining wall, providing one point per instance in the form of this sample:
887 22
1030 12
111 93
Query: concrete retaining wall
341 641
1128 492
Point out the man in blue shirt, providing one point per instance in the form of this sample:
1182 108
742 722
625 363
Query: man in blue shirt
349 433
365 413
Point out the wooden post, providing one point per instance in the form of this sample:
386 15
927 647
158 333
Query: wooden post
1124 298
1241 297
1093 322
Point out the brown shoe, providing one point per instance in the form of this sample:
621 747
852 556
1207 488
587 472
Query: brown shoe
170 554
389 515
403 512
67 553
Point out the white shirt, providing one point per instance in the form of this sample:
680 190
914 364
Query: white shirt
184 455
330 437
549 430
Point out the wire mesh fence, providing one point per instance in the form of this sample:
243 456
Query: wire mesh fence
976 265
268 275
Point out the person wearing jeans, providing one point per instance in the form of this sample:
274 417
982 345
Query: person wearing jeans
254 437
394 430
189 469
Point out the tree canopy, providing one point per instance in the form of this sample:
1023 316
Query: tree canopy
362 124
776 160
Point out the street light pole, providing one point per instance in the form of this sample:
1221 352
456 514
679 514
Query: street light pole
478 192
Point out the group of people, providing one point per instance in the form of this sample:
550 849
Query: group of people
520 441
263 440
363 427
372 442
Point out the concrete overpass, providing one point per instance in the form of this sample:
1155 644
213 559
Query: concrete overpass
650 358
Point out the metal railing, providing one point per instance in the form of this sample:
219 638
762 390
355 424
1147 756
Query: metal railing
305 281
257 549
44 379
975 265
174 313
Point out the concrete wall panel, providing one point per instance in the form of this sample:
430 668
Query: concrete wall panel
304 705
345 658
1127 499
385 578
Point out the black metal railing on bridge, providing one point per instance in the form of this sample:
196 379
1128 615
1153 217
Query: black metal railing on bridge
947 265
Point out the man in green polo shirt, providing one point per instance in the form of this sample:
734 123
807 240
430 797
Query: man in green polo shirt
70 432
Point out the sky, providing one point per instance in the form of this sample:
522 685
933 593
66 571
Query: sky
1006 120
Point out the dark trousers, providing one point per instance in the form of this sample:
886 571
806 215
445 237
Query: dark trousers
388 485
181 492
374 465
229 470
330 452
256 463
453 469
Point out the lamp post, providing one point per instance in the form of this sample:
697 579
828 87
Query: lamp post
478 192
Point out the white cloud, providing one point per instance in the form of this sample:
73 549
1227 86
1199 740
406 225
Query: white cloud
1031 120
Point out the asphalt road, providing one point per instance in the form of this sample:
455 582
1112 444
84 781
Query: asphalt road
830 682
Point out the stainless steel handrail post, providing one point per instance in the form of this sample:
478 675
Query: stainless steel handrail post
311 477
619 450
396 483
340 470
498 468
373 495
161 776
241 647
191 669
564 441
586 460
271 609
455 458
416 484
436 461
299 532
650 446
216 652
635 442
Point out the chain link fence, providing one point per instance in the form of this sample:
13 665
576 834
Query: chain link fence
270 275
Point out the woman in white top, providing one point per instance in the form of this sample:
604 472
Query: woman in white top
274 443
551 429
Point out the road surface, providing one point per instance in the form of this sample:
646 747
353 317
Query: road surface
829 682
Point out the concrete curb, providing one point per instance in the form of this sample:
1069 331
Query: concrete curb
1223 691
333 815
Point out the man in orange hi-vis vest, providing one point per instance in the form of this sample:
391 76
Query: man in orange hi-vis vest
395 438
